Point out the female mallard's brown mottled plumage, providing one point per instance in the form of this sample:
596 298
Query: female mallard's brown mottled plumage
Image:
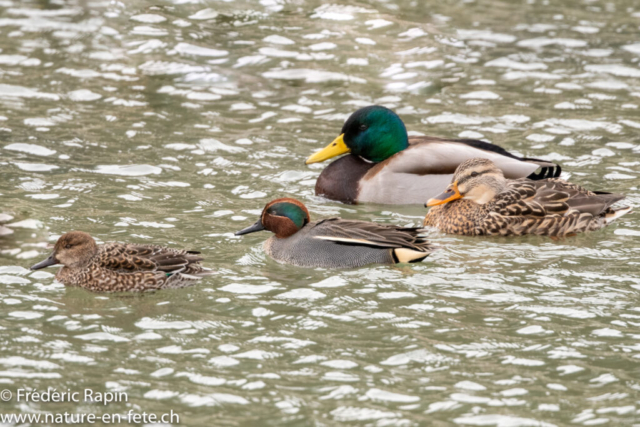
481 201
118 267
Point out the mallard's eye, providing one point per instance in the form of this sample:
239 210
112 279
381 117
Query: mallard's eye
363 127
67 246
474 174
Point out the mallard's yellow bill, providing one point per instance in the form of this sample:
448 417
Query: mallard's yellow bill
450 194
336 148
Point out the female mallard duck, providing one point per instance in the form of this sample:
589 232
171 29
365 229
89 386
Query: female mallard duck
335 242
481 201
117 267
387 166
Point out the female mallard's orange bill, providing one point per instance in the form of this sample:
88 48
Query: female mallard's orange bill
450 194
336 148
251 229
46 263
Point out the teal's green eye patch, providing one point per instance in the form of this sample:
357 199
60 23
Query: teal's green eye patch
291 211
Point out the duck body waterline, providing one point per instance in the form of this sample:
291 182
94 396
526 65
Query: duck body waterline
122 267
340 243
481 201
335 242
386 166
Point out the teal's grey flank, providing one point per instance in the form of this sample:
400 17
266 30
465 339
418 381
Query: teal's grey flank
335 242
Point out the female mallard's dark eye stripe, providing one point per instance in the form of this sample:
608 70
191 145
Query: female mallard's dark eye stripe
468 177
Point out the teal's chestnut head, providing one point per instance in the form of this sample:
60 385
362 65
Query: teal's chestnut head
284 217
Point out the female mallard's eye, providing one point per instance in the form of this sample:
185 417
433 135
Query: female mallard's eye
67 246
473 174
363 127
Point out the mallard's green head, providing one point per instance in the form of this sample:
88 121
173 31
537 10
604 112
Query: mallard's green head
284 217
374 133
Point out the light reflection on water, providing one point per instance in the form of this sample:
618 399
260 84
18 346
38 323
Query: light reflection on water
175 123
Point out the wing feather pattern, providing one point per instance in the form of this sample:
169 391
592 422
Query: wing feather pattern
551 207
123 257
407 243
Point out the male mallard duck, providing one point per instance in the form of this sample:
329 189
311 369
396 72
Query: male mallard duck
387 166
117 267
481 201
335 242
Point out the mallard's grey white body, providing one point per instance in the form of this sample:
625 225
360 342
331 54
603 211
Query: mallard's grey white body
422 170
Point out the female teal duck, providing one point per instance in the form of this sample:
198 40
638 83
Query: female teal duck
387 166
481 201
334 243
118 267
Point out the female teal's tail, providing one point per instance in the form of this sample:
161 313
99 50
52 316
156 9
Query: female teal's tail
616 213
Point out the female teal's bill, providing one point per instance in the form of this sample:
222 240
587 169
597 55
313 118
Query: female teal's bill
387 166
481 201
118 267
335 242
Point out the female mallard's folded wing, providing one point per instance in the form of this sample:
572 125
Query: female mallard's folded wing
552 207
556 196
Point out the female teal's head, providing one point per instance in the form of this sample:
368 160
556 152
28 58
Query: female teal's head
284 217
374 133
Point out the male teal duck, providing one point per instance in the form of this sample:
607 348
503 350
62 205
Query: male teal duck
118 267
387 166
481 201
335 242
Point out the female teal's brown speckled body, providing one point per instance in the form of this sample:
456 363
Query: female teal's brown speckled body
122 267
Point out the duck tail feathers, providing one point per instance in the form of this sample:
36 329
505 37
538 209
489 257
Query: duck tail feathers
191 272
198 274
547 169
406 255
616 213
